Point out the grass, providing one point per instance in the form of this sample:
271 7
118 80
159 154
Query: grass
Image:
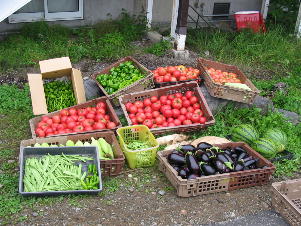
266 58
159 48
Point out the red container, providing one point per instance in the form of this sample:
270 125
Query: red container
249 19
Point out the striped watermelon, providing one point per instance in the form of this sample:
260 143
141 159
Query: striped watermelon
266 147
278 137
245 133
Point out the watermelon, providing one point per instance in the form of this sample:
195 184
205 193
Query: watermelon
245 133
266 147
278 137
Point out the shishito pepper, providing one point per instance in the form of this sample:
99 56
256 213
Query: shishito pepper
119 77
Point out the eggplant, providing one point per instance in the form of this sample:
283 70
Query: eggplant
177 152
239 150
241 156
205 157
203 146
228 152
177 168
229 158
239 167
234 156
176 159
207 169
198 155
222 158
192 176
220 166
183 173
187 148
246 159
192 164
249 163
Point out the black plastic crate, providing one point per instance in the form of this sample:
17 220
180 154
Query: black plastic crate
30 152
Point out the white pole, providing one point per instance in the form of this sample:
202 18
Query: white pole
265 8
174 18
298 23
149 14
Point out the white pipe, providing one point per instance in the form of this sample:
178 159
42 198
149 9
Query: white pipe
149 14
174 18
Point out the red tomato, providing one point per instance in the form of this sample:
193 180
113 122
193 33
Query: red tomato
177 103
54 126
170 120
164 108
111 125
182 118
101 105
56 119
193 99
148 123
178 95
155 114
182 78
64 112
199 112
189 94
107 117
161 71
189 115
168 102
49 134
159 79
176 73
147 102
140 110
154 99
88 108
82 111
72 111
196 106
203 120
190 109
183 111
148 109
48 130
81 118
171 97
165 124
87 122
177 122
171 69
128 106
140 117
90 116
148 115
134 121
156 106
132 116
176 113
159 120
49 121
101 111
60 127
45 118
69 119
166 78
168 113
187 122
78 128
171 124
99 125
173 79
186 103
71 125
133 109
88 128
163 99
41 133
139 104
154 126
195 118
184 98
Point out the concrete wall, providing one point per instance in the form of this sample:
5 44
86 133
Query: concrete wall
97 10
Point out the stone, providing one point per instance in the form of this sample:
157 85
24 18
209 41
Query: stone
263 103
154 36
280 86
35 214
91 89
130 176
180 54
161 192
207 53
183 212
131 189
10 161
293 117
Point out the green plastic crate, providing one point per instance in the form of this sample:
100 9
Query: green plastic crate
142 157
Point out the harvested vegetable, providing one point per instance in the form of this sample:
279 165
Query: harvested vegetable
119 77
58 173
137 145
59 95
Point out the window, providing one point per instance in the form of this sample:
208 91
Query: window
221 9
49 10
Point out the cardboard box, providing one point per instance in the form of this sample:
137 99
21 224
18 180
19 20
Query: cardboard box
54 68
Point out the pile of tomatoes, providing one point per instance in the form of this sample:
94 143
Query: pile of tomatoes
223 77
75 121
166 111
175 73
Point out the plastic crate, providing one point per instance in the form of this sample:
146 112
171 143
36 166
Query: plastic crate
226 92
286 200
182 88
138 158
112 167
110 111
219 182
249 19
39 152
140 85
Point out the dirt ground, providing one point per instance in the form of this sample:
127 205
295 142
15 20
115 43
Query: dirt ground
142 197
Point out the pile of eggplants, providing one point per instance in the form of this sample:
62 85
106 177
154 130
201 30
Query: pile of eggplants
191 162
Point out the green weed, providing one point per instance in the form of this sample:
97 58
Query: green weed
159 48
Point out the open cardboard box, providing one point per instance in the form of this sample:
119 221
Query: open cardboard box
50 69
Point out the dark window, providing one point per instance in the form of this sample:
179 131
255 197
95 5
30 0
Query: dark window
221 9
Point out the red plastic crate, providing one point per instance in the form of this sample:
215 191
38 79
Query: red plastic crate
249 19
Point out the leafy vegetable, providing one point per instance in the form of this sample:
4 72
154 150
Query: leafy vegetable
59 95
119 77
